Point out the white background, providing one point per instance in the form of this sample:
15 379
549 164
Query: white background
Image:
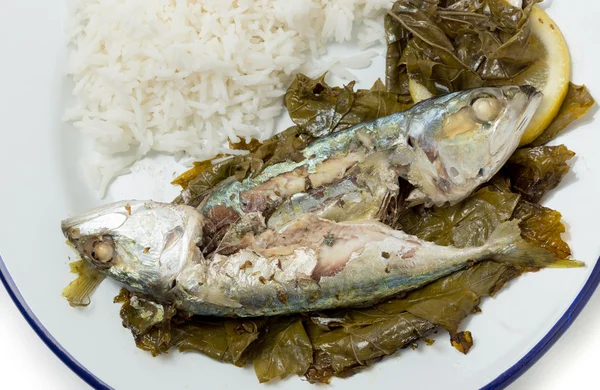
26 362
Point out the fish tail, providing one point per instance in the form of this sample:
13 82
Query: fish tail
507 246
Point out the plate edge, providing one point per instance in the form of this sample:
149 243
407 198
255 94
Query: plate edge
43 333
500 382
503 380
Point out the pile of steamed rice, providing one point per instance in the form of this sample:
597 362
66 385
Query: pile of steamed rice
185 76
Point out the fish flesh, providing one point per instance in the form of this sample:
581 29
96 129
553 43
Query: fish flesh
309 264
445 146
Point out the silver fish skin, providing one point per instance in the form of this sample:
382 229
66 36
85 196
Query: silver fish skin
445 146
309 264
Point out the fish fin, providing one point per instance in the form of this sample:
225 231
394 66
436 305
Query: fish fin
79 290
508 246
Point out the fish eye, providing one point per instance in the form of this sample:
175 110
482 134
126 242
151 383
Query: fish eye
101 251
486 108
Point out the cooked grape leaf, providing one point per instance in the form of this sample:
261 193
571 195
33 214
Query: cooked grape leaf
462 341
397 38
315 106
542 226
185 178
285 146
535 171
378 86
370 104
205 175
208 338
219 338
158 327
140 314
418 17
156 341
468 223
577 102
448 46
366 335
428 341
321 370
148 321
447 301
435 69
323 346
284 349
240 335
251 146
320 109
355 345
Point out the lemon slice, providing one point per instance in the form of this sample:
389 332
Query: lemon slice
550 74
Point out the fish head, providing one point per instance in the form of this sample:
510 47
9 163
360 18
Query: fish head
142 244
462 139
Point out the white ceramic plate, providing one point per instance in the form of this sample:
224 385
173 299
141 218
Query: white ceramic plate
42 184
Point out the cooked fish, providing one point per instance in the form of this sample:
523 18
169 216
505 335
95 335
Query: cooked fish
308 264
445 146
277 243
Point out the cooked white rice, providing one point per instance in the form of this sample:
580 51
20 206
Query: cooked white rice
184 76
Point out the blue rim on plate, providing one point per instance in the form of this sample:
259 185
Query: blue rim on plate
43 333
501 382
